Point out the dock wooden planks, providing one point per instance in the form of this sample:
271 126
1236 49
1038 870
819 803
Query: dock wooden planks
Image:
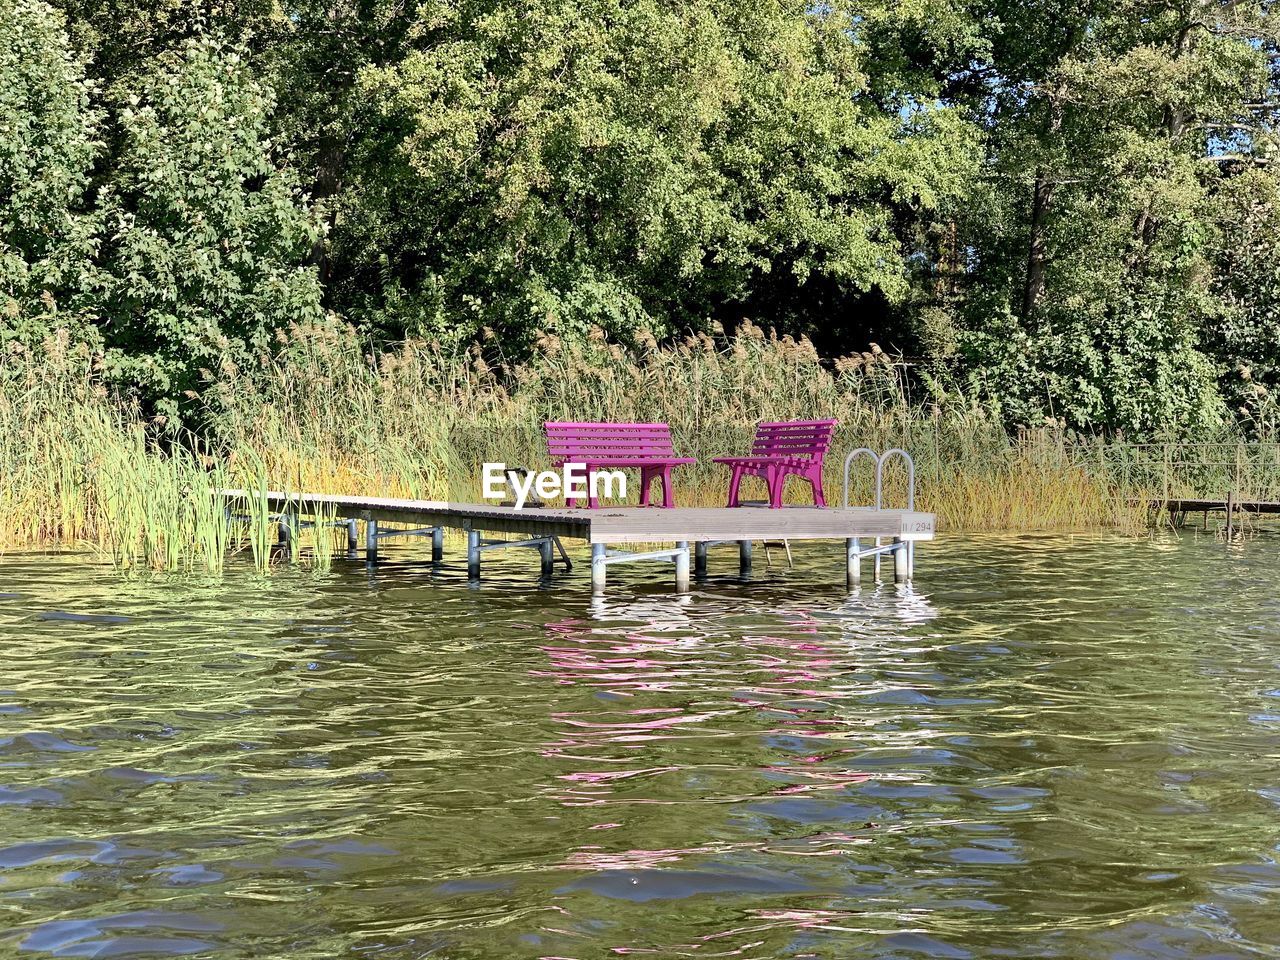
616 524
636 525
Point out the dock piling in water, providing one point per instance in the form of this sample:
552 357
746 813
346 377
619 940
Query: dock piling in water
682 566
853 562
901 567
598 554
473 554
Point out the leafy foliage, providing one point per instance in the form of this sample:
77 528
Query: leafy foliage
1072 209
205 236
1094 289
47 149
1245 335
635 164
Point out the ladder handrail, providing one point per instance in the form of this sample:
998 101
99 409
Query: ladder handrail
911 477
848 462
900 547
880 459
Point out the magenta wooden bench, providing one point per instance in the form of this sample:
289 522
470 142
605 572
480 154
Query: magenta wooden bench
646 446
781 450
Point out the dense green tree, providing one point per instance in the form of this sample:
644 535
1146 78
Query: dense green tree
1245 336
47 149
1071 206
634 164
205 233
1093 289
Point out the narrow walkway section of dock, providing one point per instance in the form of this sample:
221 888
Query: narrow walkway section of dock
543 527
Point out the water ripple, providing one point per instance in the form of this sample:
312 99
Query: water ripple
1050 747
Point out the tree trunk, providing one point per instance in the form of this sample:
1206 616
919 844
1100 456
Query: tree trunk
1041 204
330 163
1147 226
948 263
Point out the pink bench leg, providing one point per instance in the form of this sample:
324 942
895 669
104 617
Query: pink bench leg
667 499
815 478
735 480
645 479
777 478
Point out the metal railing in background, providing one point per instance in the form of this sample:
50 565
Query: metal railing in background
1250 469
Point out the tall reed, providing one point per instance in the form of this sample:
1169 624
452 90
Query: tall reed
321 413
81 466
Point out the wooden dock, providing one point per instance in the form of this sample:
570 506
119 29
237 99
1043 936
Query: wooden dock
1186 505
1230 505
543 527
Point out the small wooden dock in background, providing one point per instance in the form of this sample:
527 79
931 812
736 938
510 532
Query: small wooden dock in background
541 528
1229 505
1183 506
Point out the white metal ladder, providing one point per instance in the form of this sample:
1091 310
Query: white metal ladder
903 551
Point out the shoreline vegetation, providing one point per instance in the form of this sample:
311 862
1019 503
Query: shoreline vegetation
367 248
321 414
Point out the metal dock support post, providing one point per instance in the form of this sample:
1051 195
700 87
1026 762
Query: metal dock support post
473 554
564 555
598 552
353 539
288 530
437 544
744 556
371 541
547 550
601 558
700 559
682 566
853 562
901 566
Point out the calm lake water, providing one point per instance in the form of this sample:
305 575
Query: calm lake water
1049 747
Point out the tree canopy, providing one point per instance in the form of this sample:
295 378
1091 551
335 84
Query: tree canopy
1067 209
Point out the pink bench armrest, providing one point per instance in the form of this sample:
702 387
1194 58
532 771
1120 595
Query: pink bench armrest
748 461
592 462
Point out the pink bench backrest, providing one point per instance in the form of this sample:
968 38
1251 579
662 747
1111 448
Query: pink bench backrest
803 439
630 441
